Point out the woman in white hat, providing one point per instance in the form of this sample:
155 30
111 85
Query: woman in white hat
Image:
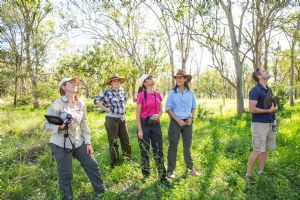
113 101
74 144
148 112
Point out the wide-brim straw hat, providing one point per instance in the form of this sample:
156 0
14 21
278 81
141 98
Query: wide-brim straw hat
181 72
115 77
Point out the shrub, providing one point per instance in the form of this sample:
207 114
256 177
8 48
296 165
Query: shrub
24 100
202 112
90 107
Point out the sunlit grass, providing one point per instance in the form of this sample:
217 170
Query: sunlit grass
221 146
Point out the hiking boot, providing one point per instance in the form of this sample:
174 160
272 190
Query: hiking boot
165 182
260 173
171 175
102 190
250 179
193 172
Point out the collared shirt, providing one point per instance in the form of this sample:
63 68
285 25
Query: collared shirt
61 108
258 94
181 103
113 100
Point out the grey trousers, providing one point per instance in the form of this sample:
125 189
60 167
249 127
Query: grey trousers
174 135
64 165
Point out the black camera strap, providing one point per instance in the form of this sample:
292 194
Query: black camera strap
145 100
155 102
66 135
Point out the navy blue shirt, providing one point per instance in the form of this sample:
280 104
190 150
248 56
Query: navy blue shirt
258 94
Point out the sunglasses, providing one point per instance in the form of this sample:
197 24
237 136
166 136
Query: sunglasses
148 78
257 71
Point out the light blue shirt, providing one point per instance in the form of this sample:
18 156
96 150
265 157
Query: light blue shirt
181 103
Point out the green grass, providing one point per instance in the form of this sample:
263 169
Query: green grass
221 146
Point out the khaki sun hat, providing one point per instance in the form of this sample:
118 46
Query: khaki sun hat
181 72
114 77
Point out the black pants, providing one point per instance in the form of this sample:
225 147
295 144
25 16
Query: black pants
153 135
64 167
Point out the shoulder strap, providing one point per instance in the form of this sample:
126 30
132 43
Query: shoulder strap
155 101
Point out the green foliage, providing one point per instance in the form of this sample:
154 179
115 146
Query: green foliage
202 112
48 90
282 92
220 151
94 67
24 100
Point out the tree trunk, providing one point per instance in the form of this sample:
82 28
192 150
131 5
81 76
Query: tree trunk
183 63
15 92
292 73
172 66
267 44
237 64
275 70
133 85
36 102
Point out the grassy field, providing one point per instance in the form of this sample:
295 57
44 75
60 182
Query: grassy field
221 146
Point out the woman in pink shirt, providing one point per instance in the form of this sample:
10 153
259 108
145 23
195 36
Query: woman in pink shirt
148 112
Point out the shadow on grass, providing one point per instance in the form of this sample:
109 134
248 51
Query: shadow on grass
134 191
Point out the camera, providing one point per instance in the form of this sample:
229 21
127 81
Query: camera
150 121
270 99
68 119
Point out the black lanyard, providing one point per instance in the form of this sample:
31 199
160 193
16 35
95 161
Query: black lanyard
66 135
154 101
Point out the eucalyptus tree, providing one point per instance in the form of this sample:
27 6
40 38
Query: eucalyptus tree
121 25
266 18
11 59
291 28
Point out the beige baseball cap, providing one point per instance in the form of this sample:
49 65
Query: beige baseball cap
67 80
143 78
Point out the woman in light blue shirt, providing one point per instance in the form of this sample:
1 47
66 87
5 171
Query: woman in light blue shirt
180 106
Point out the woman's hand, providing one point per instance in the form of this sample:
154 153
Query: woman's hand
71 125
140 134
155 117
181 122
189 121
106 109
61 127
89 149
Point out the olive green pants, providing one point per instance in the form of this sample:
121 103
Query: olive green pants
116 129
